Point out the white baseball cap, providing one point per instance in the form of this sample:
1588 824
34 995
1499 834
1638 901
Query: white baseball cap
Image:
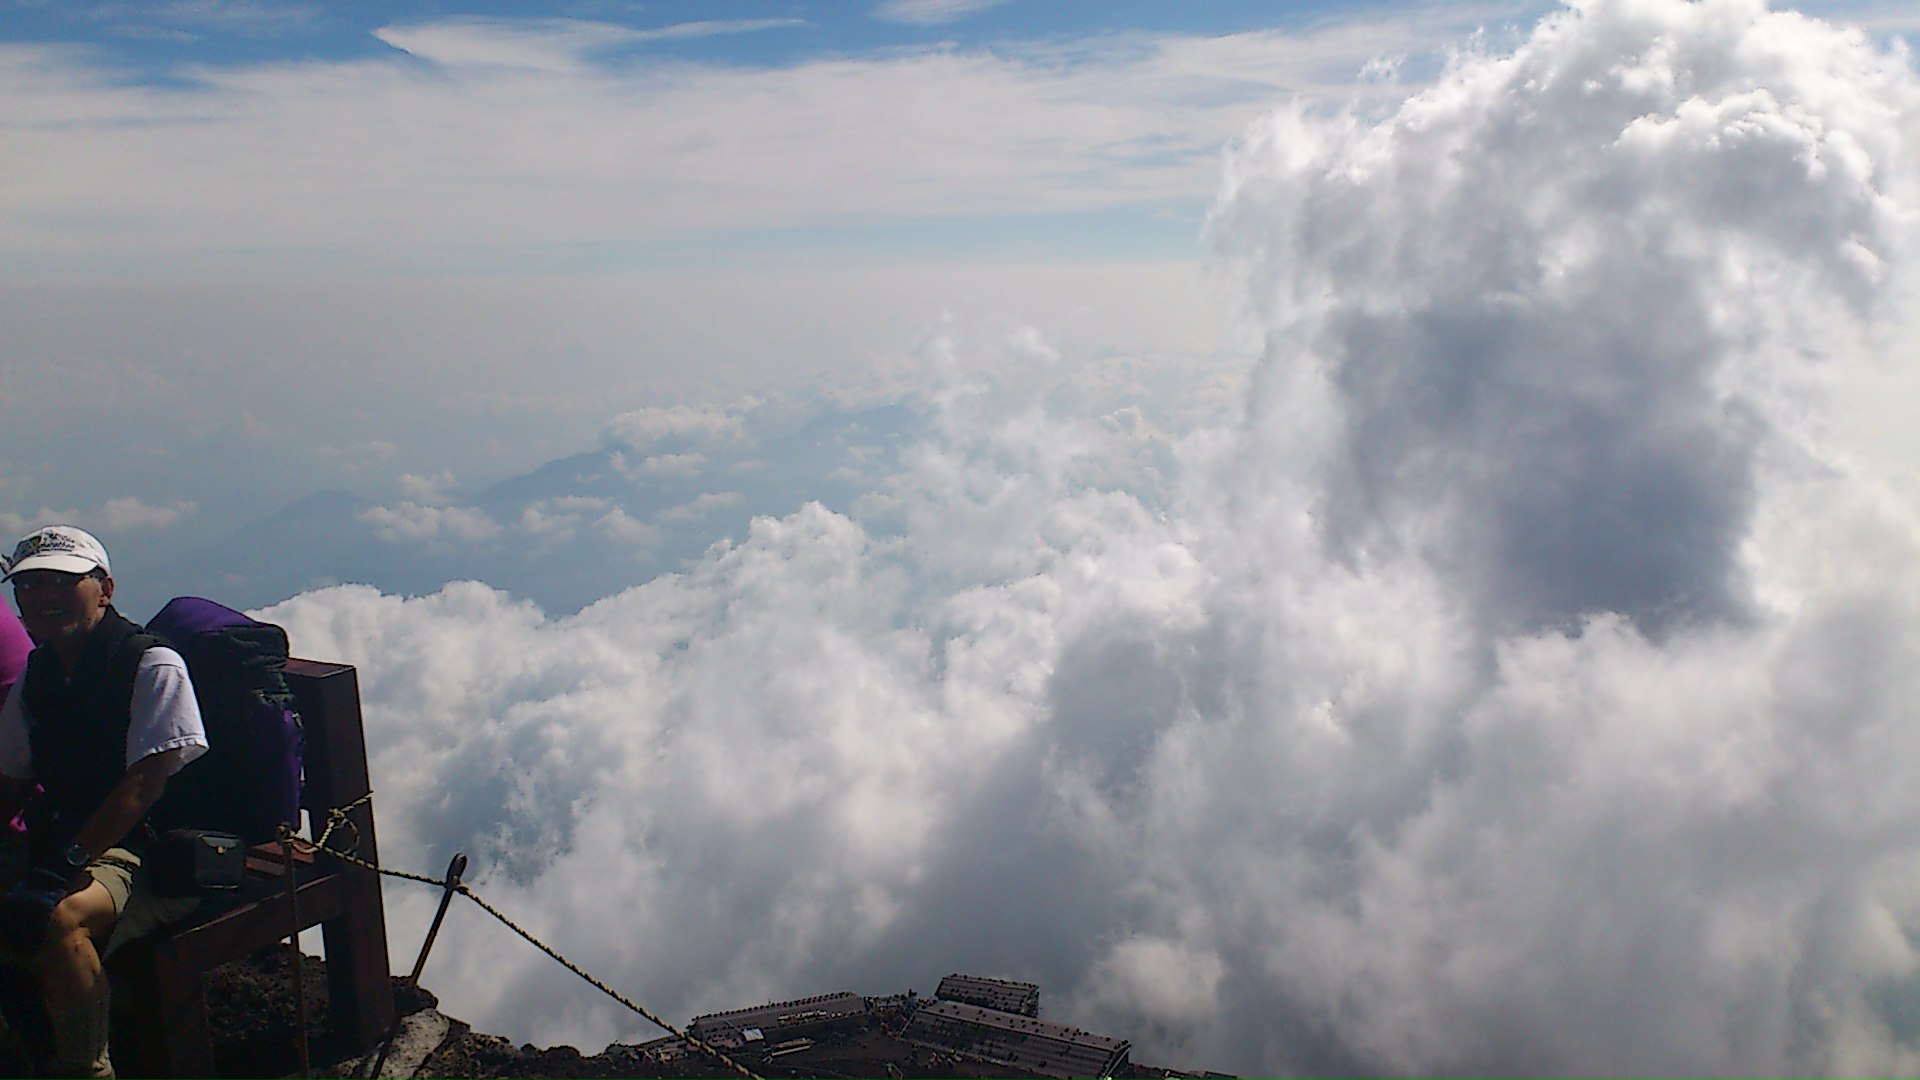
58 547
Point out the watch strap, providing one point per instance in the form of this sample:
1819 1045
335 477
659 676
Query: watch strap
75 858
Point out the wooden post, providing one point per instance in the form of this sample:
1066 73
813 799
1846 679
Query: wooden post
360 995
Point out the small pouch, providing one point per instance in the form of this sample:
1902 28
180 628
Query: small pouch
188 862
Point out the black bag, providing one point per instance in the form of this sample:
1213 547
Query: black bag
188 862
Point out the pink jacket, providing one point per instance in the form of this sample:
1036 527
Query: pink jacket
14 647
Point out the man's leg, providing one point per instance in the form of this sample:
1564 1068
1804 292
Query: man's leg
21 1003
73 981
25 1010
69 962
115 907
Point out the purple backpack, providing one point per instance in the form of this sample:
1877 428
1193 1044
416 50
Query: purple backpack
248 781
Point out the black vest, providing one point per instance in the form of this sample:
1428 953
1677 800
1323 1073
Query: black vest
77 727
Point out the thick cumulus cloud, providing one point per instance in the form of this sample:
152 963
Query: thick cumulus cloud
1540 296
1523 683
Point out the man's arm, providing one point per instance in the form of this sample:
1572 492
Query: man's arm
164 732
128 802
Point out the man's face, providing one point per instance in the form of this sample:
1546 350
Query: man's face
58 608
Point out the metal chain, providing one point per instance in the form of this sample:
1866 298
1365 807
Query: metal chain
337 816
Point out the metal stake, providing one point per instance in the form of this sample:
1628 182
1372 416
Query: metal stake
454 869
299 983
452 884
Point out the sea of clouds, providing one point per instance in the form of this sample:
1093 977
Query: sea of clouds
1516 677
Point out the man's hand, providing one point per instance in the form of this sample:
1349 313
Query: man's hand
28 908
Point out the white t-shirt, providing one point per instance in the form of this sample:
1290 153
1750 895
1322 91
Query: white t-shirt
165 717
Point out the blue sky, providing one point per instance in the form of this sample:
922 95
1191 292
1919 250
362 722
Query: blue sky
286 138
1016 130
218 137
159 35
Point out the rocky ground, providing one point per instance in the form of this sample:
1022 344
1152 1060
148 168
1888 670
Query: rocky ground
252 1010
254 1014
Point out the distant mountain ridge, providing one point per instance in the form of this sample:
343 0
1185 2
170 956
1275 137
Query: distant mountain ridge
565 534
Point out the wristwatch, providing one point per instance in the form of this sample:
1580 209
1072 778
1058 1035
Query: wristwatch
75 859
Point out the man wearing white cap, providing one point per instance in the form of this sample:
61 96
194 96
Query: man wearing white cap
100 720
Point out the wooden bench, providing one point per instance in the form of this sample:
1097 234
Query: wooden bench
160 977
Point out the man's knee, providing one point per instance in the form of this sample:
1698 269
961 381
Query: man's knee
87 915
68 920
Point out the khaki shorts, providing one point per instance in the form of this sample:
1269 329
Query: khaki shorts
141 912
118 871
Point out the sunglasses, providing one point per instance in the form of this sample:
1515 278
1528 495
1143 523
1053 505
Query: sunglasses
33 580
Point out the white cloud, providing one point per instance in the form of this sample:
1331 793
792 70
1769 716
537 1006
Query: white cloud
404 158
641 428
931 12
1465 307
617 526
431 490
1165 983
130 513
18 525
419 521
701 505
660 465
125 514
558 521
1520 684
554 46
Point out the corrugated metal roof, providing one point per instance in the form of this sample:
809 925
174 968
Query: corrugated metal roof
781 1015
1024 1042
1002 994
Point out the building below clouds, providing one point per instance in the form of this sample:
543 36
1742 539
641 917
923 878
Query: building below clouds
1040 1047
904 1035
780 1020
1002 994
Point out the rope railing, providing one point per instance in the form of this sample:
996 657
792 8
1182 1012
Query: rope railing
336 817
